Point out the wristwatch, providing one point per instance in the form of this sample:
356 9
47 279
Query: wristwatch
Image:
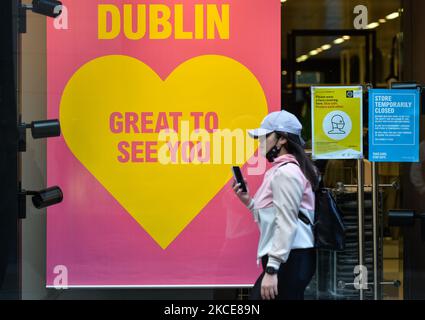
271 271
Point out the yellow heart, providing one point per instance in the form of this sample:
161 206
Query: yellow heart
163 199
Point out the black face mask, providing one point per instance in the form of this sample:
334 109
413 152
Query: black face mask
273 153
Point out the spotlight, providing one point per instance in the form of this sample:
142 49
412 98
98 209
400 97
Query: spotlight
397 218
47 197
406 218
39 130
40 199
50 8
45 129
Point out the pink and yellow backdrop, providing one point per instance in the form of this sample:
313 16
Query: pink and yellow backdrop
126 219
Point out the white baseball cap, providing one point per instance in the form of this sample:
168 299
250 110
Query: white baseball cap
282 121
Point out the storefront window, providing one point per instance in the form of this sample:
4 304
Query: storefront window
116 74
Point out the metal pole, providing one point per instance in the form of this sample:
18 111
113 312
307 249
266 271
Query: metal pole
375 203
360 212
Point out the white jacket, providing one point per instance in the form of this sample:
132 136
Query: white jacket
284 193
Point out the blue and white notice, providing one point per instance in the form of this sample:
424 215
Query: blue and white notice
394 125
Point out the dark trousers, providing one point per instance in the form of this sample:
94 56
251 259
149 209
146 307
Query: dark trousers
293 276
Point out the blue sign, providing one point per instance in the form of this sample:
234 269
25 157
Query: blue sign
394 125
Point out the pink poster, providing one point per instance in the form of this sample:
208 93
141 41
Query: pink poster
147 92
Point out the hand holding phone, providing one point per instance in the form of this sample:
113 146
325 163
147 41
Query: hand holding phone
237 174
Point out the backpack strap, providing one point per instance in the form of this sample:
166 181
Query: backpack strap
301 215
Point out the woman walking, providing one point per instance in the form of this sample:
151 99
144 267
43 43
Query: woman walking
283 201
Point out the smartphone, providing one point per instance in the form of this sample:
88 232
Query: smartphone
237 174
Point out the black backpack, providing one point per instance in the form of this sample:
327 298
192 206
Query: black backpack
328 226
